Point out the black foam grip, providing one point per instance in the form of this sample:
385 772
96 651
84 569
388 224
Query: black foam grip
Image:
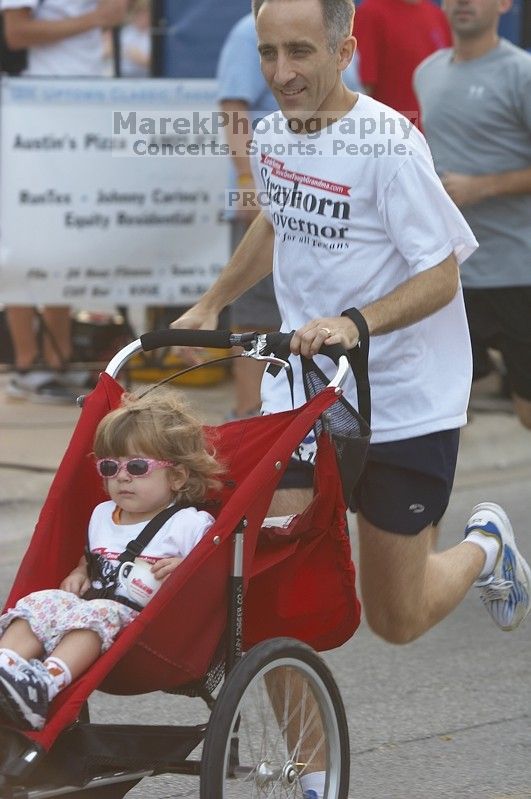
333 351
217 339
278 344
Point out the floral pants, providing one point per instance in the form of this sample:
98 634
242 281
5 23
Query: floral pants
54 613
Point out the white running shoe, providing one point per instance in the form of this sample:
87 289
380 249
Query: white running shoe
506 592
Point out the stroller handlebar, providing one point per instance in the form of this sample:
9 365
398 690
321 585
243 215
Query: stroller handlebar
270 343
264 346
215 339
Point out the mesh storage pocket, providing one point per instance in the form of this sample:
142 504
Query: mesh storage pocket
348 431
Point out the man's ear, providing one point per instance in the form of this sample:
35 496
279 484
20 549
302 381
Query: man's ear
346 52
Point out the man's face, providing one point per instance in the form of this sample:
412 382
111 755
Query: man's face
472 18
296 61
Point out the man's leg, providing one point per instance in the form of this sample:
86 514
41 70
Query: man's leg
311 750
406 587
290 500
299 717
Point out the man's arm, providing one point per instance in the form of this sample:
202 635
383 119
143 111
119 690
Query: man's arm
23 30
411 301
252 260
469 189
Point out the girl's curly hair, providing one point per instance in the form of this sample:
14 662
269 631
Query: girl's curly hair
161 425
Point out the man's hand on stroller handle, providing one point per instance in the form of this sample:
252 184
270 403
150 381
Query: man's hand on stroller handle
77 582
327 330
194 319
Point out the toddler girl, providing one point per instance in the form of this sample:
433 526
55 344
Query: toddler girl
152 455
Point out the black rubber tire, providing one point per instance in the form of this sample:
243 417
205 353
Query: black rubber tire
275 653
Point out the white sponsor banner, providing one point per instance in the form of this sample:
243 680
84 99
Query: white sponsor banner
107 196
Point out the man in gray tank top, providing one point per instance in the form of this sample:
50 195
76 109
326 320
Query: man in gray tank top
476 111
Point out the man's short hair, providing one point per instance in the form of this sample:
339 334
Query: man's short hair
337 15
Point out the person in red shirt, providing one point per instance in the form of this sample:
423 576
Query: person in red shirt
394 36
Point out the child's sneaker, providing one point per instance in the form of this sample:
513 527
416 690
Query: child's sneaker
506 592
24 695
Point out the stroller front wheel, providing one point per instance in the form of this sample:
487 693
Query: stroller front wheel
279 718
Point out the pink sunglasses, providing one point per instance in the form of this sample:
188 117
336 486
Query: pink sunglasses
136 467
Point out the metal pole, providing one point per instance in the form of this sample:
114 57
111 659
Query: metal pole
235 616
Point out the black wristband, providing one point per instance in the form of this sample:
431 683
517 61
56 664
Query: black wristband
359 361
360 322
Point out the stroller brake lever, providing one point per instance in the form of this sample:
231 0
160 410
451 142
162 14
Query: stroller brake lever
257 345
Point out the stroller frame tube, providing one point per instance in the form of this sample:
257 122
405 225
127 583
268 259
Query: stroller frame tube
235 615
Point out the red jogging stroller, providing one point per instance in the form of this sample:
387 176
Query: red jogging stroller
245 610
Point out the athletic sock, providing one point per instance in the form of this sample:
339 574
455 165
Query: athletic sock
59 673
490 545
313 784
11 660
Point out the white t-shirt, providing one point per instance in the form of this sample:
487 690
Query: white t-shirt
76 56
176 538
350 227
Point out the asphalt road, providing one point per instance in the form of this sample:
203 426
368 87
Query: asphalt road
447 717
